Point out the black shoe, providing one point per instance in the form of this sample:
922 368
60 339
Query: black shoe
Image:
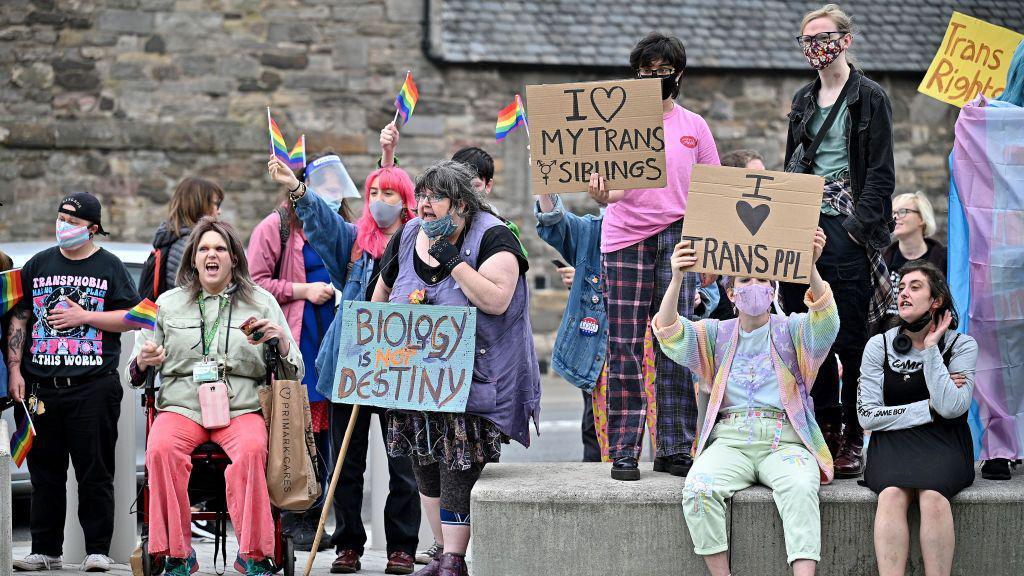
625 469
996 469
305 532
681 464
662 463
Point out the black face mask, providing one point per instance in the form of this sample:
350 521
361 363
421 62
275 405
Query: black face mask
901 343
669 85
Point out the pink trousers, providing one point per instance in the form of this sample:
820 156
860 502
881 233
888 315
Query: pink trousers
172 439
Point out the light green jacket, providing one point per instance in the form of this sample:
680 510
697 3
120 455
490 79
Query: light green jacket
177 329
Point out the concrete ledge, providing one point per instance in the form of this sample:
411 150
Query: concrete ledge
572 519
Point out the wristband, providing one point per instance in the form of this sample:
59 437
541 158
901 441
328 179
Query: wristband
445 253
291 193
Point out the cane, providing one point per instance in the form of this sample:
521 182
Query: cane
330 489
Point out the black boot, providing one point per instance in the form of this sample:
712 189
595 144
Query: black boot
625 469
306 531
996 469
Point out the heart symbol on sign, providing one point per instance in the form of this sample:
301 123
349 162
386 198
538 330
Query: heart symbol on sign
752 217
608 101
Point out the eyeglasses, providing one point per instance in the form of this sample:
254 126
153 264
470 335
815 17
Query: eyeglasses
902 212
660 72
432 197
820 37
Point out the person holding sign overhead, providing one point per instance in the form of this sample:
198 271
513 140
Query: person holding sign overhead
755 372
840 128
457 253
639 230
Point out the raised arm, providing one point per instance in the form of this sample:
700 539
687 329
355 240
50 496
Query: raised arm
690 344
948 399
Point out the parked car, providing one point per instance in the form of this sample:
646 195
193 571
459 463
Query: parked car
134 256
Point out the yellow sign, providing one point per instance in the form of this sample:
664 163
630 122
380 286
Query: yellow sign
974 57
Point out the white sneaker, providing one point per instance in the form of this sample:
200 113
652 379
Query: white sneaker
97 563
37 562
200 529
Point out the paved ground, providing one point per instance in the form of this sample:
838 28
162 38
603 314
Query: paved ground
561 412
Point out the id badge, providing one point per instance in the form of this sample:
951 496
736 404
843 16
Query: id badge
205 371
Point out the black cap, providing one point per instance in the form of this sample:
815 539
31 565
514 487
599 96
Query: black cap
86 207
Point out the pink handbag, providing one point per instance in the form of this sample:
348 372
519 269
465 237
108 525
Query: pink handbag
213 405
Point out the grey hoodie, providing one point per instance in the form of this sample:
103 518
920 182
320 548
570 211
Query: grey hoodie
945 398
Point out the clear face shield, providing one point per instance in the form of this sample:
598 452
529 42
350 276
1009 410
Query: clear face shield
328 179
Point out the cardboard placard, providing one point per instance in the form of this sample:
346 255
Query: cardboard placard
753 222
613 128
974 57
411 357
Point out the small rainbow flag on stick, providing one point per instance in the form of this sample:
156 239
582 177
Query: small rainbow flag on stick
143 315
510 116
405 102
297 157
10 290
21 441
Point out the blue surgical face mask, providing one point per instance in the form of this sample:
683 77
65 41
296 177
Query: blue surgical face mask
440 228
333 203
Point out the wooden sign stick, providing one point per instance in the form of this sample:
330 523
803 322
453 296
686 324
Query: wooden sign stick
330 489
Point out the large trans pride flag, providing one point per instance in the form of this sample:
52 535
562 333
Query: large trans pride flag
986 266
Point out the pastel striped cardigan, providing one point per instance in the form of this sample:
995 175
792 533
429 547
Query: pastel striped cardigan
804 340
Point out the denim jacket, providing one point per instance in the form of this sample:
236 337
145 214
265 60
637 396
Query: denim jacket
579 353
332 238
869 145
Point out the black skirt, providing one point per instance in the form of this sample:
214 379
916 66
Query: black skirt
936 456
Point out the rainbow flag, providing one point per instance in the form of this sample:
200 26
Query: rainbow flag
10 290
143 315
405 102
297 157
510 116
21 441
280 149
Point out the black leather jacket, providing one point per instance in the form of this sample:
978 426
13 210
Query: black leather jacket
869 143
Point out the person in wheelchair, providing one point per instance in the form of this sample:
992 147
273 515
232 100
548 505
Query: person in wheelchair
209 374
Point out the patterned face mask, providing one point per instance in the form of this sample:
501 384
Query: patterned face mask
820 54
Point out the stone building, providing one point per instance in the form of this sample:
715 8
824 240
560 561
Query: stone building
125 97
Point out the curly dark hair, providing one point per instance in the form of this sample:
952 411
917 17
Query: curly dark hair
453 180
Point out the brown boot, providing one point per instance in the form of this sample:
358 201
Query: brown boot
433 568
453 565
832 430
850 462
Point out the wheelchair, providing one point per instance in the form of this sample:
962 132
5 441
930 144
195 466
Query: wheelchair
209 457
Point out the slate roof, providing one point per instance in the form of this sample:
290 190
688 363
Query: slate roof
889 35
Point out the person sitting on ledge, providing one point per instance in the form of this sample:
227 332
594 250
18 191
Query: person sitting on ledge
754 374
915 389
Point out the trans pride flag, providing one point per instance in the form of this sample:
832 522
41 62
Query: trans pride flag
986 266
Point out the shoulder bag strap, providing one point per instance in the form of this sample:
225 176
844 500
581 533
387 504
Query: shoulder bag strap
829 120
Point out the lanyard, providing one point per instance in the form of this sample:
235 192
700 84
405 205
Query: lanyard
207 336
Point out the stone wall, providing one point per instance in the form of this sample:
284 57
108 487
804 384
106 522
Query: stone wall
125 97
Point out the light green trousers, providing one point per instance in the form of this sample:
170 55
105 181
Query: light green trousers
739 454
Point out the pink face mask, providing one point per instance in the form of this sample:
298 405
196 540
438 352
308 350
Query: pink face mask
753 299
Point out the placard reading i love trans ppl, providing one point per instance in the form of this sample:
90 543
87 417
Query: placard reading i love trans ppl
613 128
753 222
406 356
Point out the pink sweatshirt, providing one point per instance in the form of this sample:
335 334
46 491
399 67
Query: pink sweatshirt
645 212
262 253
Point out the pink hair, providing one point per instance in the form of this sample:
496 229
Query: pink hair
370 237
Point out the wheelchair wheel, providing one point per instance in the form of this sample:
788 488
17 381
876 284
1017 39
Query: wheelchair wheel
151 566
288 555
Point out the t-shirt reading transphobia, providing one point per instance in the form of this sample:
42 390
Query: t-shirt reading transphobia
642 213
98 283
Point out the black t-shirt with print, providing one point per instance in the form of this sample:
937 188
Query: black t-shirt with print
495 239
98 283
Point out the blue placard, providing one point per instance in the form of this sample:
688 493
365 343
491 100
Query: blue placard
406 356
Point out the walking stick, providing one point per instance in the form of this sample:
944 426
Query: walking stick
330 489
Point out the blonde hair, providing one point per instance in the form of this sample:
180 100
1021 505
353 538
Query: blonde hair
833 12
924 208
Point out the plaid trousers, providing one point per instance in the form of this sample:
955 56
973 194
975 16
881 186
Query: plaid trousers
636 278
